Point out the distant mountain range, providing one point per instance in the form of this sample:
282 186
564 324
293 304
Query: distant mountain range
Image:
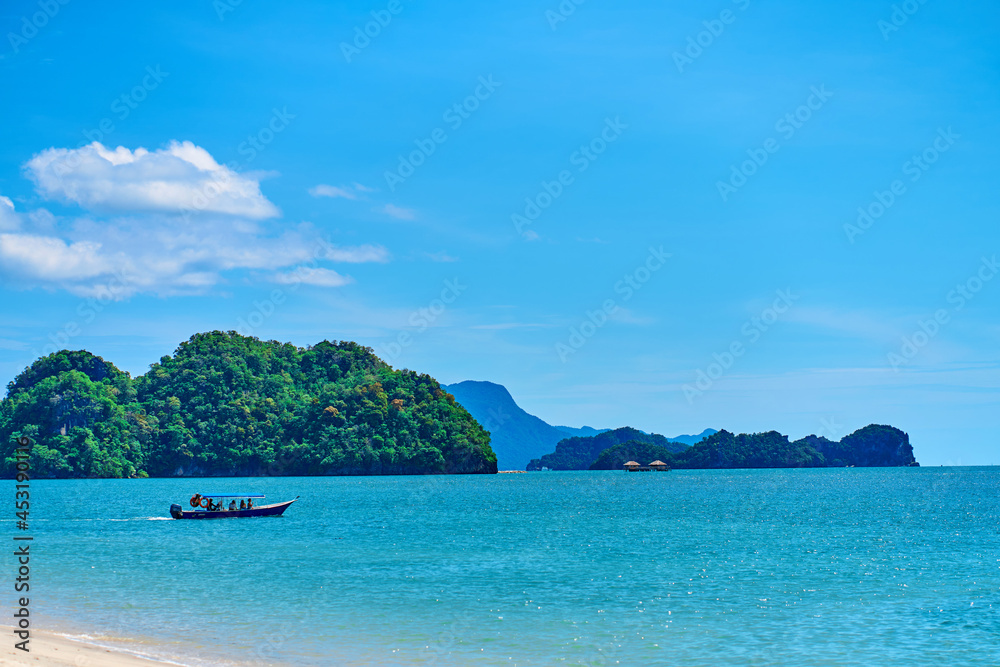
516 436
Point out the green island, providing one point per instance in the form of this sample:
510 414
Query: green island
872 446
231 405
236 406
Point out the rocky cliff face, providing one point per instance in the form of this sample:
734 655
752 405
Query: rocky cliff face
875 445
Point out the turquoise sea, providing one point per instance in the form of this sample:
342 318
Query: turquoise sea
749 567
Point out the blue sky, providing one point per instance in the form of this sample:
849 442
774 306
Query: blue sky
641 214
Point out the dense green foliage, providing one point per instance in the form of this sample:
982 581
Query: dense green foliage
644 453
226 404
870 446
579 452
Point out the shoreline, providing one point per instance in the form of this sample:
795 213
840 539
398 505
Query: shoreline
52 648
65 649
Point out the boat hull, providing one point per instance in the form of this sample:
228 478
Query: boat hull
264 510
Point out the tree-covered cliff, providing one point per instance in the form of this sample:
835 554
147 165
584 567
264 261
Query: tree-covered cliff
644 453
578 453
871 446
226 404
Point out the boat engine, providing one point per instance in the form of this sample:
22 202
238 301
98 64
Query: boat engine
176 512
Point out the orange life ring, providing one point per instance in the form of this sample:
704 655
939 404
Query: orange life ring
204 502
196 500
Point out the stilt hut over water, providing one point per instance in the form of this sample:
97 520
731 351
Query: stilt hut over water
632 466
659 465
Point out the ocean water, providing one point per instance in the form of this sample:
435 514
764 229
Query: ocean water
758 567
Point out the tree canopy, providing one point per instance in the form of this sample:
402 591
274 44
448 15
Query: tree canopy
578 453
226 404
873 445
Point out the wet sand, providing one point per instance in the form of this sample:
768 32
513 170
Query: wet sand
50 649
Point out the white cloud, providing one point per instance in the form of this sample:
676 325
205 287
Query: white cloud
9 220
159 255
346 191
331 191
154 246
357 255
48 258
399 212
180 177
440 256
313 276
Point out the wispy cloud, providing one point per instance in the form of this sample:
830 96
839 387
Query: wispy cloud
357 255
9 220
399 212
511 325
331 191
441 256
854 323
8 344
628 316
313 276
352 191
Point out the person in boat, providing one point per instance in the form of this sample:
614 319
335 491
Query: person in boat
249 503
232 505
243 504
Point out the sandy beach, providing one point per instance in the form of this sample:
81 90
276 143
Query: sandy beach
51 649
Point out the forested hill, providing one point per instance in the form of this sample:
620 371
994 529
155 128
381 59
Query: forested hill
872 446
580 452
230 405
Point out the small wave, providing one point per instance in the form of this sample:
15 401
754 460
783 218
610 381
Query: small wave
95 641
120 644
